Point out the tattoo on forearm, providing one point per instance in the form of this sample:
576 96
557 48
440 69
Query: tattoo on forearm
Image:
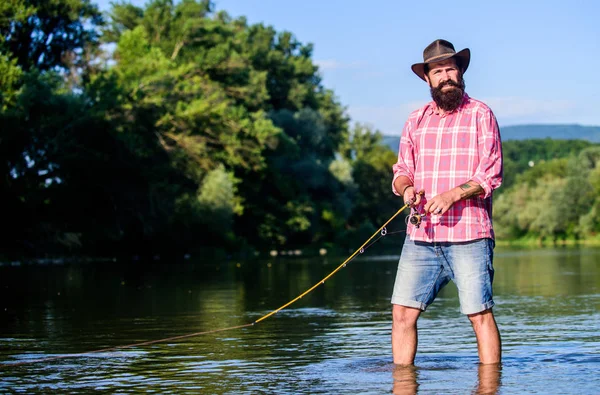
470 190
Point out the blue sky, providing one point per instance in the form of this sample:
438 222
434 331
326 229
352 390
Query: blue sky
531 61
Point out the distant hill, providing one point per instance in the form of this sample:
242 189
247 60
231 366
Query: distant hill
525 132
557 132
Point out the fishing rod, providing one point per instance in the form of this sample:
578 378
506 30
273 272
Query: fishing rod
359 250
382 230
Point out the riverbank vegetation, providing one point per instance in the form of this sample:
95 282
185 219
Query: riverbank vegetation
174 127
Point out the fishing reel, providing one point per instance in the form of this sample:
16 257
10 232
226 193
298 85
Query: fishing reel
415 218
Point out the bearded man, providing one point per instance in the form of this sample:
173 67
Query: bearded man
449 162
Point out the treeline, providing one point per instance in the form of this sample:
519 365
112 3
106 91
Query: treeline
174 127
551 191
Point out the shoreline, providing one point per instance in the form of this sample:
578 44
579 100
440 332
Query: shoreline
529 242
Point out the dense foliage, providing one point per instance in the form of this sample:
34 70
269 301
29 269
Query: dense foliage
552 190
174 127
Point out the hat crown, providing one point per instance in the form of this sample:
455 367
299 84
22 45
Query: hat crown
438 49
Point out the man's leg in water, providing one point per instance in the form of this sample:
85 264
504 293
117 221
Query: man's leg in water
488 336
404 334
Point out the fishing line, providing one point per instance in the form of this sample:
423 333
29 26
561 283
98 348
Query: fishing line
123 347
355 253
382 232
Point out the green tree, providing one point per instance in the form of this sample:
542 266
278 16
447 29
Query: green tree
44 47
551 200
585 182
372 175
196 130
214 91
519 154
46 34
10 77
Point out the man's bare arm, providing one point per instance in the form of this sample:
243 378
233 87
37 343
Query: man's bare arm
401 183
468 189
441 203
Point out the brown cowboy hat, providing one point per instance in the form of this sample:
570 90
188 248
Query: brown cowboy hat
438 51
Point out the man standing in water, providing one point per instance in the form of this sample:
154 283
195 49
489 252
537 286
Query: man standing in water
449 162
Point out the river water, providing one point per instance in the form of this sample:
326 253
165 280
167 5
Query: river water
336 340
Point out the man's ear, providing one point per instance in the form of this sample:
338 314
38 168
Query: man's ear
427 79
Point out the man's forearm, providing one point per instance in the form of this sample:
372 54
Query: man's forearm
401 183
466 190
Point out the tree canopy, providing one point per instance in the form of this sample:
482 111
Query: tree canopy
174 127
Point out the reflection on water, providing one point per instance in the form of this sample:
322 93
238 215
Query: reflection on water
488 379
405 380
335 340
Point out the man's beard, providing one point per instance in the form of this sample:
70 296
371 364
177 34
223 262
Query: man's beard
449 100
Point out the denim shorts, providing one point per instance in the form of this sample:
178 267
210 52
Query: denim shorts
425 268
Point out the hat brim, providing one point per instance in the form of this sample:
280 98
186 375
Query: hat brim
464 55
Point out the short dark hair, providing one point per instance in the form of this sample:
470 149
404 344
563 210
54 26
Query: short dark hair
456 60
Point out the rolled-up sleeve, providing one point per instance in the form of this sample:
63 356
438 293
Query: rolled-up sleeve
405 166
489 172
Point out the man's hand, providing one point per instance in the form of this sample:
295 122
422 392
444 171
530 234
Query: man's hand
441 203
411 197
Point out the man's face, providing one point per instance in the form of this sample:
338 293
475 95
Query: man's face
446 84
440 73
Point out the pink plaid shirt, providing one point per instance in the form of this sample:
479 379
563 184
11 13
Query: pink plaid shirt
440 152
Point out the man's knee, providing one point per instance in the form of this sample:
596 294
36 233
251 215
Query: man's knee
404 316
483 318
